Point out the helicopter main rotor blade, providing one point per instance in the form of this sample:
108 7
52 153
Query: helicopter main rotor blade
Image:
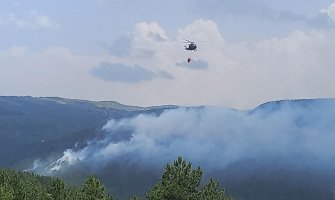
188 41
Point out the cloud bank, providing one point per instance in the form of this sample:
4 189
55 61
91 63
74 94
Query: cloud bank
295 133
235 74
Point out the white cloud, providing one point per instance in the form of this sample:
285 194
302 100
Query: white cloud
54 71
141 42
148 37
30 20
149 32
330 11
238 75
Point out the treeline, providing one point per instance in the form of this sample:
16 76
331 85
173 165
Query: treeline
179 181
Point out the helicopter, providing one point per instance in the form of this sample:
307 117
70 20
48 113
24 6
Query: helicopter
191 46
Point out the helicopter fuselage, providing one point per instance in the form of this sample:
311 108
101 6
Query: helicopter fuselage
191 47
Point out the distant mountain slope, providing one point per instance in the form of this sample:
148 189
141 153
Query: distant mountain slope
33 128
278 150
270 107
106 104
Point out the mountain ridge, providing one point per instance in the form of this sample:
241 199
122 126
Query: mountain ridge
283 147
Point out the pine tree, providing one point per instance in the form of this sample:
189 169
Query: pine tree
93 190
58 191
4 177
19 187
211 191
6 191
179 182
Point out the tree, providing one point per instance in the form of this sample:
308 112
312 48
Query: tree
92 189
212 191
57 190
19 187
6 191
179 182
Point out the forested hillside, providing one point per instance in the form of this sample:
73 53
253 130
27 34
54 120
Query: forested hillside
33 128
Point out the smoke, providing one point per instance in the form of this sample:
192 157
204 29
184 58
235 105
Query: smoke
294 132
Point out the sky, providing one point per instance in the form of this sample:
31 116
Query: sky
130 51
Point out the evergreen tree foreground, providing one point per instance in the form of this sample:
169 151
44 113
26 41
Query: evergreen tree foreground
181 182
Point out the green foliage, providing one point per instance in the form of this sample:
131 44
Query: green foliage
6 192
211 191
93 190
58 190
181 182
18 184
29 186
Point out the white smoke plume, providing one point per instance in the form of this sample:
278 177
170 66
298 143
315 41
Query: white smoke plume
298 131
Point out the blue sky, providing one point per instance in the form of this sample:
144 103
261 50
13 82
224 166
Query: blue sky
130 50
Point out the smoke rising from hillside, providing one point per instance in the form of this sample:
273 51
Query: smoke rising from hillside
299 132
